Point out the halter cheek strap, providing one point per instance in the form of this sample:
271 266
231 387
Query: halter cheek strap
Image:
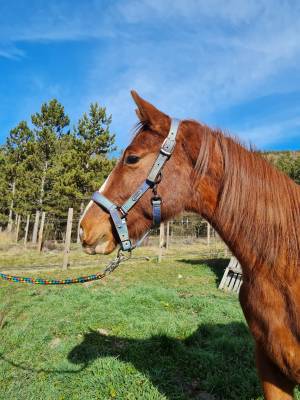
118 220
119 213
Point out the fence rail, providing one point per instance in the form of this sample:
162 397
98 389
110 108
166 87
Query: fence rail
42 232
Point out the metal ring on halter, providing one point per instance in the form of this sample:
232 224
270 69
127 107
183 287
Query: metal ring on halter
158 179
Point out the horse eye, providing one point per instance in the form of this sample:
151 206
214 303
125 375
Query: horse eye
132 159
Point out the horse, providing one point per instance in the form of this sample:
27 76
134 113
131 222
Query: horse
254 208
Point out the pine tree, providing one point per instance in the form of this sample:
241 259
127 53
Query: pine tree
51 168
290 165
5 199
49 128
94 143
65 192
17 148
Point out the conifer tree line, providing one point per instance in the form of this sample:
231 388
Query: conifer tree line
51 166
288 162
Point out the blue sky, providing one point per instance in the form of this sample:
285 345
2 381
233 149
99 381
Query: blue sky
233 64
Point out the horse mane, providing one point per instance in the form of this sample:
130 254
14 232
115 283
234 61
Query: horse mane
255 198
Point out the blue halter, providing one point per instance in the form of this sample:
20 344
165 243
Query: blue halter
118 213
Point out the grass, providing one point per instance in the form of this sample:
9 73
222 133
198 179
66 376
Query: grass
148 331
6 239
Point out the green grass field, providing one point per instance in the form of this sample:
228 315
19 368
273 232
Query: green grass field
148 331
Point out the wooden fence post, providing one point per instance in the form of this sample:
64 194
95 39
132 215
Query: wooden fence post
68 239
18 227
35 227
226 252
41 231
161 240
78 232
168 235
78 226
26 230
208 233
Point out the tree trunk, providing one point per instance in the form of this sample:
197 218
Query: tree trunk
26 230
10 218
42 191
18 223
35 227
41 231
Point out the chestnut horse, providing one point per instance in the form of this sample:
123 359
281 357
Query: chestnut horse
252 206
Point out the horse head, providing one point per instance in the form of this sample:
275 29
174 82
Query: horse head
177 181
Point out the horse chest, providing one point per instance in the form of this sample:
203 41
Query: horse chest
273 316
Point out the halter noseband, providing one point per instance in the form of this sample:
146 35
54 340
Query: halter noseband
119 213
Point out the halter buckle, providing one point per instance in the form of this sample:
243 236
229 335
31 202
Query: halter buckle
168 147
123 212
126 245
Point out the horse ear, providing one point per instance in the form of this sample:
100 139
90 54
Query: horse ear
148 114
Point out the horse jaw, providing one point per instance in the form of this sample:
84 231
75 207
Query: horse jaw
103 246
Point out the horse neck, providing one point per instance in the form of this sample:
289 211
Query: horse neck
253 207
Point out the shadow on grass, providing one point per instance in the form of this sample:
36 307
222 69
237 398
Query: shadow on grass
27 368
216 359
217 265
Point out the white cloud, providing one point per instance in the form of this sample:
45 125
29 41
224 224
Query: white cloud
190 57
269 133
233 11
50 21
10 51
244 57
205 69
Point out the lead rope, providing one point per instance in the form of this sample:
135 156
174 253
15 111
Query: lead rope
153 179
111 266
